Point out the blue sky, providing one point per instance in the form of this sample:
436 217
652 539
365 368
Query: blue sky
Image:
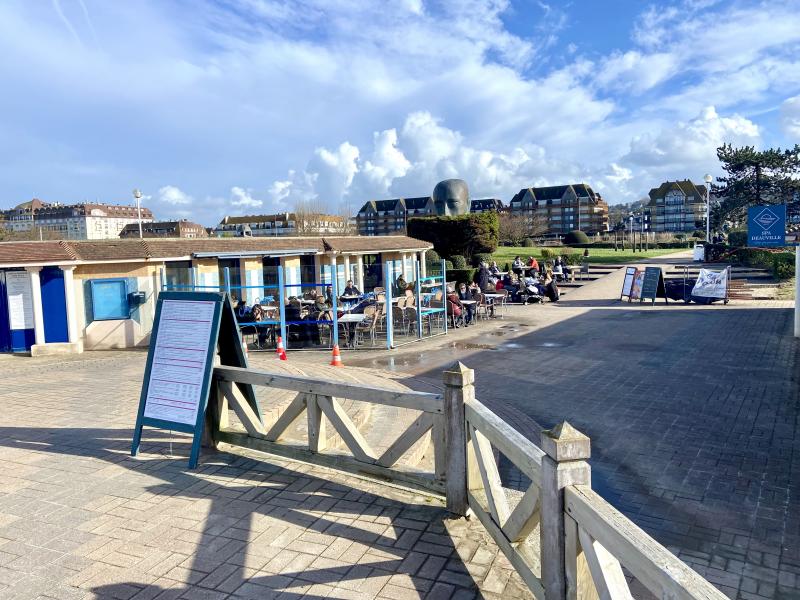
248 106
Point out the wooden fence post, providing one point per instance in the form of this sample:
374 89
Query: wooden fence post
565 464
458 388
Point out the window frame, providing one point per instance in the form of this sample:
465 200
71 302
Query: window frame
94 282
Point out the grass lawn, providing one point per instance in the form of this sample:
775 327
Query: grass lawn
506 254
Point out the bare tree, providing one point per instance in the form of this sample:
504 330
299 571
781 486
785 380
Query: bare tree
515 227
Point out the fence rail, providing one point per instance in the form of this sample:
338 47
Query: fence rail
563 538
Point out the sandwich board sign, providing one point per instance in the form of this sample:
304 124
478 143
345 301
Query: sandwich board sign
188 331
766 226
653 285
627 283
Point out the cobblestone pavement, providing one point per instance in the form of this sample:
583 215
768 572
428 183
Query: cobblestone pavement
693 413
80 518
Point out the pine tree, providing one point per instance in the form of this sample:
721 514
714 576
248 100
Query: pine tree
754 177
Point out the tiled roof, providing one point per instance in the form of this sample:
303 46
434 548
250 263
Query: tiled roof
416 203
20 253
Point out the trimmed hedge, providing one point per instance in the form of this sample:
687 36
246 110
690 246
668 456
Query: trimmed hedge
461 275
576 237
737 238
480 257
780 262
459 262
464 235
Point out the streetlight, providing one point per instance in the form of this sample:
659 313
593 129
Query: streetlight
138 195
633 245
708 179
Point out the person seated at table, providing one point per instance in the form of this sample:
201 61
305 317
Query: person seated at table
329 294
350 289
517 266
494 269
468 310
533 263
400 286
321 310
558 269
550 287
258 314
454 307
242 311
498 284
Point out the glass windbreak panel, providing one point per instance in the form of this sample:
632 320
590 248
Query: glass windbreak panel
236 279
373 272
271 266
308 271
178 274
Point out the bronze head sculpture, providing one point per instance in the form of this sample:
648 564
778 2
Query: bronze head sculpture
451 198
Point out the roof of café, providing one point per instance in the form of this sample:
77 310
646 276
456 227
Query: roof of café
77 251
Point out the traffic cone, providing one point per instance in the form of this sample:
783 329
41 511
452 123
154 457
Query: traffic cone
337 358
281 350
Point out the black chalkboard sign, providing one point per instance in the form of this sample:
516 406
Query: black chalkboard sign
653 285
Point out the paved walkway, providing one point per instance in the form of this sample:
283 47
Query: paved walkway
80 518
693 412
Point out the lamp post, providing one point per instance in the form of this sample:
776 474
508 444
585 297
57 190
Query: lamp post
708 179
138 195
633 244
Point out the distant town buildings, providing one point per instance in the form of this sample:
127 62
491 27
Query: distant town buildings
282 224
677 206
165 229
559 209
389 217
85 221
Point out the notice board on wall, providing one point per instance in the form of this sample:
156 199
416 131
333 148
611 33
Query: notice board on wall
20 300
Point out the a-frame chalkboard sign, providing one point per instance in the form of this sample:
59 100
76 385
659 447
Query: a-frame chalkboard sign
653 285
189 329
627 283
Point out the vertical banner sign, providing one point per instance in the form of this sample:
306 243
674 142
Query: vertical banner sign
20 300
180 362
636 287
766 226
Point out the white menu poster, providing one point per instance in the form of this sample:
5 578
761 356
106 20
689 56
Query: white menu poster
180 360
20 300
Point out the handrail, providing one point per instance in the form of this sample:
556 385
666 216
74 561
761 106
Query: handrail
664 574
423 401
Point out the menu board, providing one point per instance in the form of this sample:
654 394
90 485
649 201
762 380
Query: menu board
636 288
20 300
653 284
627 284
180 361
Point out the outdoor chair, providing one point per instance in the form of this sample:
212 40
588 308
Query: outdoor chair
367 326
584 270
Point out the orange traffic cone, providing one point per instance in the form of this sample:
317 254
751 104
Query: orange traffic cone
337 358
281 350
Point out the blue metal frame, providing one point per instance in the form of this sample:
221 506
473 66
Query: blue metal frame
418 290
282 305
335 307
197 429
389 275
124 281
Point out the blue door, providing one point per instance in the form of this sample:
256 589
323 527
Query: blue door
54 305
5 331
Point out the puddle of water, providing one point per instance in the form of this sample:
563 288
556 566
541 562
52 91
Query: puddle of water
391 363
511 346
471 346
499 333
551 345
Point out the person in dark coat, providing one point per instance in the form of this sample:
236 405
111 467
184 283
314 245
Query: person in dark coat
483 277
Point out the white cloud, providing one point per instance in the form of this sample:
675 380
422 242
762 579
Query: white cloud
790 117
243 198
636 71
169 194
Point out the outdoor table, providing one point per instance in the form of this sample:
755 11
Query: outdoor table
347 320
349 298
469 301
307 301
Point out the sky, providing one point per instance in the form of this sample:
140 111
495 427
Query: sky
216 107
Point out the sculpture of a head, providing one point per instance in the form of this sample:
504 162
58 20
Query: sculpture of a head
451 198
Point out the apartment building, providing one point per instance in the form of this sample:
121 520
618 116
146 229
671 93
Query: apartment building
281 224
556 210
85 221
165 229
485 205
677 206
389 217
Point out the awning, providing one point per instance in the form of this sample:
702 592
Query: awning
255 253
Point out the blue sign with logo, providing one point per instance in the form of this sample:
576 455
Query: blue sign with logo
766 226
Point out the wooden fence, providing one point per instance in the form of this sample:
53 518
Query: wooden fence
562 537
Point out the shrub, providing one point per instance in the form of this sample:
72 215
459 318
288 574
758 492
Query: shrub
549 253
680 236
432 256
779 262
699 233
448 265
573 258
576 237
461 275
737 238
783 267
528 243
480 257
463 235
458 262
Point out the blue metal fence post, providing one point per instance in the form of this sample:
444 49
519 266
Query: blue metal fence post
335 307
282 305
418 285
228 281
444 295
389 321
